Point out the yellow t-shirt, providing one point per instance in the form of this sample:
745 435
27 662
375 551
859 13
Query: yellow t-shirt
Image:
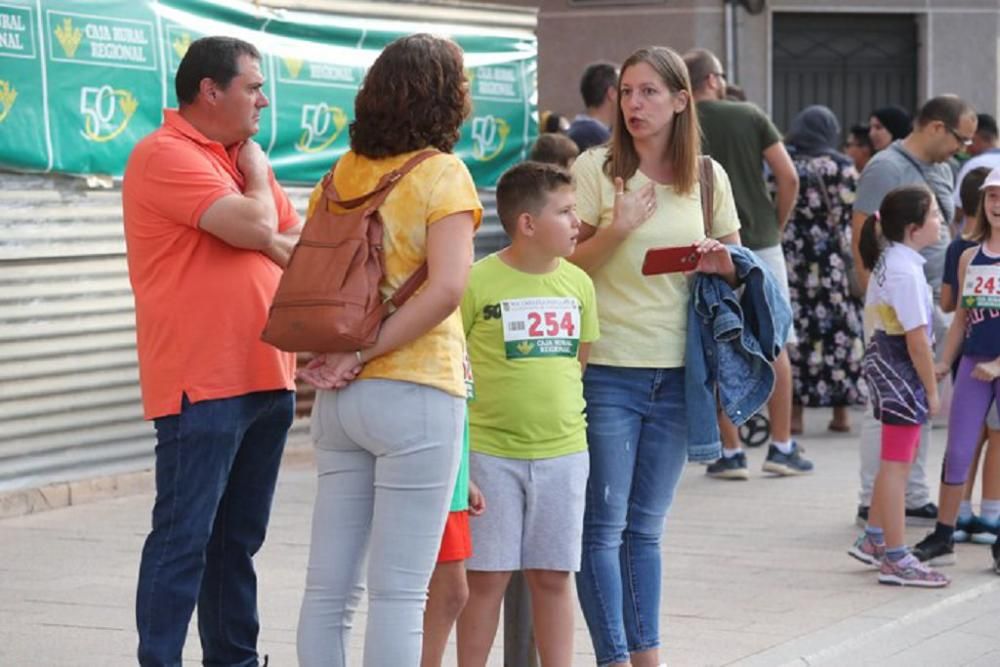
524 332
644 318
435 189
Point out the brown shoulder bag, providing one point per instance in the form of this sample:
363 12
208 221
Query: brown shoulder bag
328 299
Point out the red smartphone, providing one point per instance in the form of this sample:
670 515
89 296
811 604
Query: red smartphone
670 260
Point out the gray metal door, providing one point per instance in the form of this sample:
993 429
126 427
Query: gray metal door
852 63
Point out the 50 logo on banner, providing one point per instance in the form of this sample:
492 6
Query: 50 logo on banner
321 125
106 111
489 135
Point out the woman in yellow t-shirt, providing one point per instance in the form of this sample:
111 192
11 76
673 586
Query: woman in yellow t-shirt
639 191
388 420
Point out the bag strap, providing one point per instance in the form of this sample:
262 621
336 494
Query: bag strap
813 175
706 177
381 191
406 290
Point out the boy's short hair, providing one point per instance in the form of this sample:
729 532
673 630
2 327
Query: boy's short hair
968 190
524 188
554 149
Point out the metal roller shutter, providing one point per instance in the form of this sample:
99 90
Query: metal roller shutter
69 394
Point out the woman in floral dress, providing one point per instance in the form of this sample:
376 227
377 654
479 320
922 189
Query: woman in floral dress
826 362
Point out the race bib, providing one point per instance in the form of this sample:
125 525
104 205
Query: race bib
543 327
982 286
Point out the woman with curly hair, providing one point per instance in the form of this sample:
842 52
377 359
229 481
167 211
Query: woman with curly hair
388 420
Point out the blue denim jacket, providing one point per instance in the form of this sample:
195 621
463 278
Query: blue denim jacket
732 339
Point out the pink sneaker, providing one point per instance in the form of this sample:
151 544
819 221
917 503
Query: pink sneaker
866 551
908 571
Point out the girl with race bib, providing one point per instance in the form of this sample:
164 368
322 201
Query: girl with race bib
975 334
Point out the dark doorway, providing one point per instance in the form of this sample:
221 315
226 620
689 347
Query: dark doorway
852 63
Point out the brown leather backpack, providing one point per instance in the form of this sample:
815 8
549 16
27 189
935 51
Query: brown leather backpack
328 299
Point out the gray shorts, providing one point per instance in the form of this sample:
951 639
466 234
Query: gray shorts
773 258
534 513
993 417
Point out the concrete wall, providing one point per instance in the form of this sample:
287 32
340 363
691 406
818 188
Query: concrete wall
960 41
571 36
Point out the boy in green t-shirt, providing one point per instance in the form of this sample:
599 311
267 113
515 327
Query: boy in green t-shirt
529 318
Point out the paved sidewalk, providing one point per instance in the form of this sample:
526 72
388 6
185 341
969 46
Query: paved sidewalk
755 573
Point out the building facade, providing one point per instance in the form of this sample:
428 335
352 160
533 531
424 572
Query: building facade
853 55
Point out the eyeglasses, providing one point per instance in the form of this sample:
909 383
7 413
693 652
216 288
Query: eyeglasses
963 141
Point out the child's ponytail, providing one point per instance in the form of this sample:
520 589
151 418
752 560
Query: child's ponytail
868 244
901 207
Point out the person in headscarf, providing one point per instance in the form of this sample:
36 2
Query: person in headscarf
888 124
826 362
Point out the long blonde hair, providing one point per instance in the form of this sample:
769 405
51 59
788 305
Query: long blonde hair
685 135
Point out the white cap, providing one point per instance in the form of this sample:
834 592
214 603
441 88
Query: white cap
992 180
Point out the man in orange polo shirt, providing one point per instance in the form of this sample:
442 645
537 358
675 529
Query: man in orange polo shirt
208 231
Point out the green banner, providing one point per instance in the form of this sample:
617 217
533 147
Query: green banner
82 82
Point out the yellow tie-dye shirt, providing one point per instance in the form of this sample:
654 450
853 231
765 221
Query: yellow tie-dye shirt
435 189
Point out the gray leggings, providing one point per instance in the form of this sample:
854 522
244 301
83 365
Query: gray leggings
387 453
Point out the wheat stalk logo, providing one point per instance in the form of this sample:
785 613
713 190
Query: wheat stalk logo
181 44
293 65
69 38
7 97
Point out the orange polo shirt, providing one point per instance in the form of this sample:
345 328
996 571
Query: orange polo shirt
200 304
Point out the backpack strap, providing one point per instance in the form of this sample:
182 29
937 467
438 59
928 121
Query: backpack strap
382 190
706 177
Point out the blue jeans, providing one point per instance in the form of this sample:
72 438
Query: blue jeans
216 467
636 430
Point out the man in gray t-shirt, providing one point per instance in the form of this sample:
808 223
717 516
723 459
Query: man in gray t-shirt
897 166
944 126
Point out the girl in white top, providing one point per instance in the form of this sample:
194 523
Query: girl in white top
899 370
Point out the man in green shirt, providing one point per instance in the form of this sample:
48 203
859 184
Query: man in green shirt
742 138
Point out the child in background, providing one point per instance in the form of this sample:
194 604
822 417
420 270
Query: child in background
975 334
448 590
969 526
554 149
899 370
529 317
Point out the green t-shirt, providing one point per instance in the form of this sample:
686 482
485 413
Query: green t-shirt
736 134
523 332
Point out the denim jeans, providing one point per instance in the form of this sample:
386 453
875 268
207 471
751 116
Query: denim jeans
387 455
216 467
636 430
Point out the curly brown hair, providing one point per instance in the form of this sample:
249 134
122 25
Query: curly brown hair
415 95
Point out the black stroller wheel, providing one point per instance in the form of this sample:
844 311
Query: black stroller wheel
755 431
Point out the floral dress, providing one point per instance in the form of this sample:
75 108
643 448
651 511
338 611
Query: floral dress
826 362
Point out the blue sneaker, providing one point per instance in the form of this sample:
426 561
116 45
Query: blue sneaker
733 467
984 532
787 464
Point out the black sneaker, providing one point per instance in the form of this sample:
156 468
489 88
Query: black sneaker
995 552
787 464
925 515
935 551
733 467
862 517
